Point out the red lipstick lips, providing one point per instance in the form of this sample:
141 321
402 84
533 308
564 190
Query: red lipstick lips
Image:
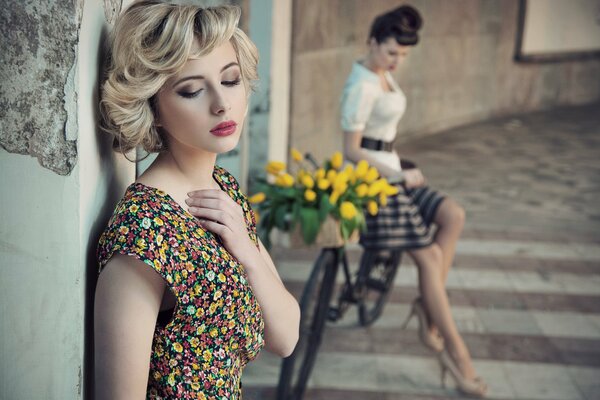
224 128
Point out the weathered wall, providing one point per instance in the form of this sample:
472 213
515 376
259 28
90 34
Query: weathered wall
461 71
37 80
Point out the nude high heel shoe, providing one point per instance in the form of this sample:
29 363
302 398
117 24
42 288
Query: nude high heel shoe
430 340
474 388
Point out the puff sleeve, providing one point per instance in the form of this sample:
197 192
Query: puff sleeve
356 106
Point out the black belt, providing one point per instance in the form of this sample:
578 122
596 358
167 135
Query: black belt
374 144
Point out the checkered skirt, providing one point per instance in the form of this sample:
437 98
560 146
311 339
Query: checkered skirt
405 223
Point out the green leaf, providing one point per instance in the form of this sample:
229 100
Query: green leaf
295 214
287 192
324 207
280 213
345 229
310 224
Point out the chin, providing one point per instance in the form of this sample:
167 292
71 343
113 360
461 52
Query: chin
225 145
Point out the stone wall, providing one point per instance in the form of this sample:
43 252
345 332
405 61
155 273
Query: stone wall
461 71
37 80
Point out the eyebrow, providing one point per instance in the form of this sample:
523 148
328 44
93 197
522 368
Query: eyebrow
187 78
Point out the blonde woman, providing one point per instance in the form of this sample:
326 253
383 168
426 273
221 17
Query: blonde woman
372 106
187 293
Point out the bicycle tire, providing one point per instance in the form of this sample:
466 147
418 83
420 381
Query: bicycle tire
374 282
314 307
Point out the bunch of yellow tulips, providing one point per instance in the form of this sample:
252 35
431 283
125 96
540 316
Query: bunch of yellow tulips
307 194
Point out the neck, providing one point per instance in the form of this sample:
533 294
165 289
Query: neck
189 170
371 66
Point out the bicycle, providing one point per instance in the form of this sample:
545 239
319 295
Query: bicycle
369 290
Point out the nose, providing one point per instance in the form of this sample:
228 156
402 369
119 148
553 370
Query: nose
220 104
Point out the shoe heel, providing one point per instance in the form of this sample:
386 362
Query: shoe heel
444 370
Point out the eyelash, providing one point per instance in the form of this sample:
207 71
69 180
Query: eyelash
196 93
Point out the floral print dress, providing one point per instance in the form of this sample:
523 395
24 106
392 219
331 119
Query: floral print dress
217 326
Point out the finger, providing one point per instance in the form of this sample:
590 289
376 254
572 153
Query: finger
216 204
215 227
213 194
209 194
219 216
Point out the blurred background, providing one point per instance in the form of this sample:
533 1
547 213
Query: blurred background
503 114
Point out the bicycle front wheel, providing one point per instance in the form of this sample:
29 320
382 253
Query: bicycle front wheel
374 282
314 306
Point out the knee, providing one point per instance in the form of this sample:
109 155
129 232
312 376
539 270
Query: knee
459 216
455 217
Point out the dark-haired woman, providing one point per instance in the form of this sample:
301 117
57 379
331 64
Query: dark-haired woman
372 105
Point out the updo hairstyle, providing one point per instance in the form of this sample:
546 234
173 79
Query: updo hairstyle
401 23
150 43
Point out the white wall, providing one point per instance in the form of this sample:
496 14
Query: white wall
40 282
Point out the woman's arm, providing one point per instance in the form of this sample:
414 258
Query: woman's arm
279 308
223 216
128 298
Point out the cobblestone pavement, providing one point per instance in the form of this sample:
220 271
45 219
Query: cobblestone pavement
525 287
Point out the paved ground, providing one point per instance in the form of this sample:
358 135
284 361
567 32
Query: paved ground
525 287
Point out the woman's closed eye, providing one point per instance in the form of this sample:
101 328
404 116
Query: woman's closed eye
189 93
233 82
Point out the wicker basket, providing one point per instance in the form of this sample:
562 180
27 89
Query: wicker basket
329 235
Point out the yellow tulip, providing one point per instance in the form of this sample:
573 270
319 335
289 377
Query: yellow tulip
323 184
372 207
334 197
296 155
371 175
336 160
375 188
310 195
319 174
341 187
349 170
257 198
341 182
361 169
307 181
383 199
275 167
331 174
285 180
347 210
390 190
362 190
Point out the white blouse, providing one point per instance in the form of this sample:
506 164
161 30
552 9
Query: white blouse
366 107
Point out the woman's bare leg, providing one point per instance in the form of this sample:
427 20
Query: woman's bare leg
450 219
429 260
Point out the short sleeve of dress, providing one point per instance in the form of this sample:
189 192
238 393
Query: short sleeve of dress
228 182
140 228
356 106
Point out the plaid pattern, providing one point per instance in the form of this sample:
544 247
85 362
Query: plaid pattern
405 223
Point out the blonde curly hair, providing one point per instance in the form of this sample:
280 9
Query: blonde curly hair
150 43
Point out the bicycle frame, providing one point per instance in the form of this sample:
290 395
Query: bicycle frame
316 308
